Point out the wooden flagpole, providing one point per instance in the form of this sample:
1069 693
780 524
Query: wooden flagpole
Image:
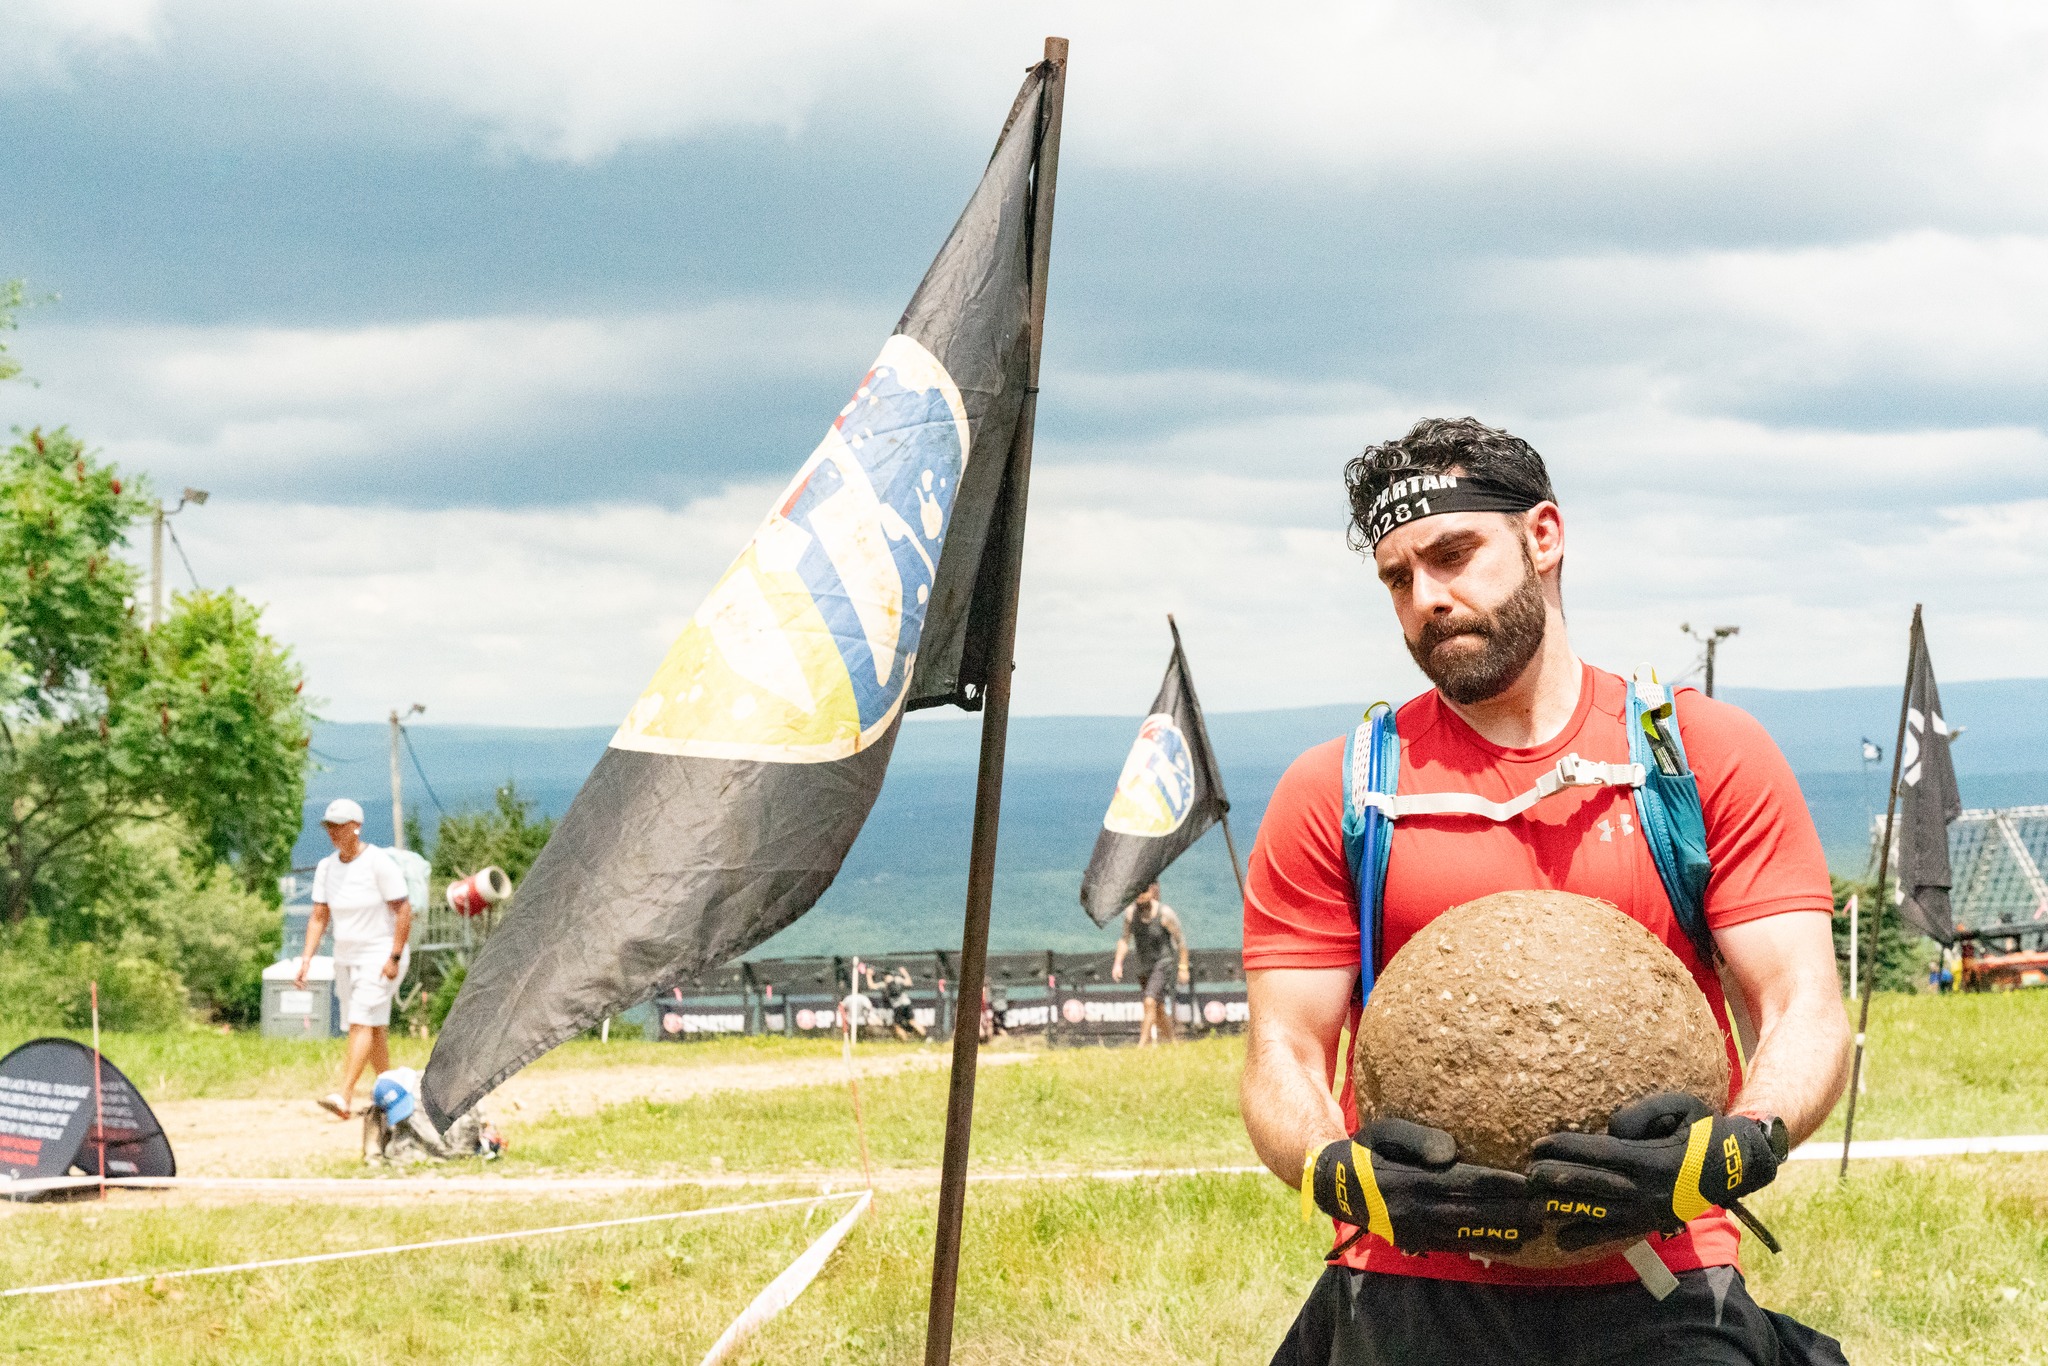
1884 858
1180 660
995 722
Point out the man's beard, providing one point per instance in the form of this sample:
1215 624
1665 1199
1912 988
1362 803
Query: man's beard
1511 635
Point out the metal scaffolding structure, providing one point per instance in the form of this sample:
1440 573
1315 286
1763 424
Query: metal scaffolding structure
1998 895
1996 857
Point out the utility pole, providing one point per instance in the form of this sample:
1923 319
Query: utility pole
1712 641
196 497
156 565
397 777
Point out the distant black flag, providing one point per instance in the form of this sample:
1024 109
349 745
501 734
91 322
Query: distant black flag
728 798
1928 802
1169 793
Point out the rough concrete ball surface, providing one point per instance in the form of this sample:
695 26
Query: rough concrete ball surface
1528 1013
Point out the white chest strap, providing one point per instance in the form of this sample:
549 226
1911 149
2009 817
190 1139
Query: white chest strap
1571 771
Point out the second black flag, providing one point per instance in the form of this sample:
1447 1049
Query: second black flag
1928 802
1169 793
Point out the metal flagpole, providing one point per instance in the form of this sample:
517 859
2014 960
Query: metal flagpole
995 721
1884 858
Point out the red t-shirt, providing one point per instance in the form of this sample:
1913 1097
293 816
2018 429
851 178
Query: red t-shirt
1766 856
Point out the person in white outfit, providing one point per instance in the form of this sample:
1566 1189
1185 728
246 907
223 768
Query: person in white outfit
360 888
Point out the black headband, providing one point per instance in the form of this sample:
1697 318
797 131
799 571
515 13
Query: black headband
1413 496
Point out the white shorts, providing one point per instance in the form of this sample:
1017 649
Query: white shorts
362 988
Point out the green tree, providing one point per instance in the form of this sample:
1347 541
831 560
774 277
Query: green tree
13 298
1902 955
105 725
506 836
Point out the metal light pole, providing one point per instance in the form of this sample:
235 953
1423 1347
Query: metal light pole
1712 642
196 497
397 779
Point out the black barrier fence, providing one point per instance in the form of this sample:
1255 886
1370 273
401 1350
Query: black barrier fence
1067 998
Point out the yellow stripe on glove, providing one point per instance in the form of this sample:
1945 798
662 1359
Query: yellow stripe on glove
1686 1201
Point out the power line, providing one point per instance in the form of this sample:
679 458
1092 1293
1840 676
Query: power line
406 736
182 556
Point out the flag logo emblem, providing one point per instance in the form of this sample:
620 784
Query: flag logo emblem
804 650
1156 790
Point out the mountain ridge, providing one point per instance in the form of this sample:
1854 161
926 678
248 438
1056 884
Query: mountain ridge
904 881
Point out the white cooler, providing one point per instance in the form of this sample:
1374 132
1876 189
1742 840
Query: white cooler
309 1012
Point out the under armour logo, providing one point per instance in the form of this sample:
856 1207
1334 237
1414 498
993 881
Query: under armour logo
1606 827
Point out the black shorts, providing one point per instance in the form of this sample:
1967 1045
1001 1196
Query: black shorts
1159 979
905 1014
1364 1318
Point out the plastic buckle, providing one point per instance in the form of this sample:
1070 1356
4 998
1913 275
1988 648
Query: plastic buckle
1572 771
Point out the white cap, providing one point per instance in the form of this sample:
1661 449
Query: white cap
341 811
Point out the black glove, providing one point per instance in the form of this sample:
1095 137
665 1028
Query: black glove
1662 1162
1404 1182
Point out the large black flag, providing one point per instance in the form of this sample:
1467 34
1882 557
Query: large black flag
1169 793
728 798
1928 801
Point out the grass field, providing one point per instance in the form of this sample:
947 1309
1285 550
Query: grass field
203 1064
1908 1263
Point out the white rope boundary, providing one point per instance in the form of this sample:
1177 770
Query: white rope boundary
554 1185
1828 1150
467 1241
783 1290
791 1283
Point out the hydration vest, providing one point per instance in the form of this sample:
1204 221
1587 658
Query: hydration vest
1666 795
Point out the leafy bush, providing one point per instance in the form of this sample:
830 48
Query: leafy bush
165 940
443 999
216 934
46 985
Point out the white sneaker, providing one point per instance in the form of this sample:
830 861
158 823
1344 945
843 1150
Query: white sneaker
334 1105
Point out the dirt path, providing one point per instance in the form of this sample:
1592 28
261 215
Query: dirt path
279 1137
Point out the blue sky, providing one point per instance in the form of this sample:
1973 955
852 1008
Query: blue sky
492 328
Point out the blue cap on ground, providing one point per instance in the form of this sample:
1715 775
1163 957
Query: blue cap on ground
393 1098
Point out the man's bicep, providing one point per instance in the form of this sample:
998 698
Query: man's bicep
1779 959
1300 1011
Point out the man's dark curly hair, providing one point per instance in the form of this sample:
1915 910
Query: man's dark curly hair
1437 444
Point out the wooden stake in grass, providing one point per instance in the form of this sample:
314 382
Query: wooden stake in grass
99 1112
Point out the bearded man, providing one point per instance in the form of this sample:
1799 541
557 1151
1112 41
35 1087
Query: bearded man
1462 526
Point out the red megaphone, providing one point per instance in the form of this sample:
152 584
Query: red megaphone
479 891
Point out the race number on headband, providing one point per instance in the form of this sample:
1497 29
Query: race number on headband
1413 496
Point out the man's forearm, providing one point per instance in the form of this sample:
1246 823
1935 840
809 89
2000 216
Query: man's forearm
401 933
316 926
1784 966
1288 1109
1801 1064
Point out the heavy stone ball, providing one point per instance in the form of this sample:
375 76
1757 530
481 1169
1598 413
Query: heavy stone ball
1528 1013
